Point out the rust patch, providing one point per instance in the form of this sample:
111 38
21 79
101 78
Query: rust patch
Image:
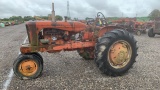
54 24
71 23
31 30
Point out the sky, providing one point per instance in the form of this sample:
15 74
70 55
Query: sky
78 8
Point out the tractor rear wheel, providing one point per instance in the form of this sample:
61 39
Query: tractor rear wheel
115 52
27 67
150 33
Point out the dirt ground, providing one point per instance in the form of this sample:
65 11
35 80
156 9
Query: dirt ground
67 70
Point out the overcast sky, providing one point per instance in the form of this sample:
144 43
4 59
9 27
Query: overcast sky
78 8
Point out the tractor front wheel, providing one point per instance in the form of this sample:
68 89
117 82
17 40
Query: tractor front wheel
138 32
150 33
27 67
115 52
36 54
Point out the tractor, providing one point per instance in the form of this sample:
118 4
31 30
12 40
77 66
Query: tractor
131 25
155 29
113 49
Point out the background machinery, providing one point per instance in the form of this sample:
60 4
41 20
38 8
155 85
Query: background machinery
131 25
155 28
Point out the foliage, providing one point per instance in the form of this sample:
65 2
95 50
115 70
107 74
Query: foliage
68 18
58 18
5 19
75 19
13 18
86 18
27 18
44 17
154 14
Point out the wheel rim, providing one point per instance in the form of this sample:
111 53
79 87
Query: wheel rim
138 33
119 54
28 67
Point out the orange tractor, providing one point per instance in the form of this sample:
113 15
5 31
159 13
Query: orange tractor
131 25
113 49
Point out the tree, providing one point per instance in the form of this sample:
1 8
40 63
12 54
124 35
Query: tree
154 14
58 18
5 19
27 18
86 18
19 18
75 19
44 17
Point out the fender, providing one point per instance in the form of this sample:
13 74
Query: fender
103 30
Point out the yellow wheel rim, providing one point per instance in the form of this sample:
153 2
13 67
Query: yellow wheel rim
28 67
119 54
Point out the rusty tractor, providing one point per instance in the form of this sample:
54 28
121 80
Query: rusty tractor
155 29
113 49
131 25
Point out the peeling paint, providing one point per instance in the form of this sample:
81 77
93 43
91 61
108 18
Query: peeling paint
102 48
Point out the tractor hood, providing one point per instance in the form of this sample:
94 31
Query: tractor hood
34 27
67 26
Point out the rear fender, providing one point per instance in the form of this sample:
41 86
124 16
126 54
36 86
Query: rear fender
107 29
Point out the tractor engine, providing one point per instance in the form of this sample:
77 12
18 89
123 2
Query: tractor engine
58 37
53 36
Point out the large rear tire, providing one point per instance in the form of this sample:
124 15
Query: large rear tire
150 33
27 67
115 52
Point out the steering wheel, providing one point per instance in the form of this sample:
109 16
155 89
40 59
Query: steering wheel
104 22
